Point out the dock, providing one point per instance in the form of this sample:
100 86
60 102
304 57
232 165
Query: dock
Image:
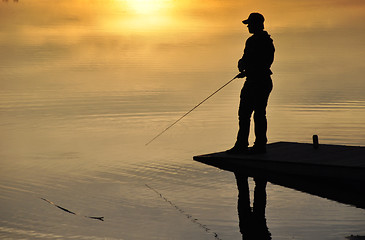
331 162
335 172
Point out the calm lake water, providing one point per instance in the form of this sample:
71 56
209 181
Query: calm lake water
84 85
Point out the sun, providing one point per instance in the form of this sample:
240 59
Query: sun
147 6
143 15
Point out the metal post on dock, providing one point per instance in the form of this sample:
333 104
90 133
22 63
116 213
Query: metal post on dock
315 142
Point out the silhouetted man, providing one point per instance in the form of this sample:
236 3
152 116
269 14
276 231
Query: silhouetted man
255 65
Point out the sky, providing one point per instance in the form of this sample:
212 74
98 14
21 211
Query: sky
324 39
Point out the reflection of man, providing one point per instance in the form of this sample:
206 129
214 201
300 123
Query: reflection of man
255 65
252 224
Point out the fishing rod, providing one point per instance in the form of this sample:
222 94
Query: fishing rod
240 75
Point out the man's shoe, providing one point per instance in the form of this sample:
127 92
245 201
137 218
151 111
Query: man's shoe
257 149
237 150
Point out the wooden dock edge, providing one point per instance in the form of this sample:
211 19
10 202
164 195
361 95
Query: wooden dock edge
271 163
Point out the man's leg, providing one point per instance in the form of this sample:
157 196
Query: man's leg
244 120
244 115
260 127
261 99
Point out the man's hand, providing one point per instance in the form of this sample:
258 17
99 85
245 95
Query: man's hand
241 75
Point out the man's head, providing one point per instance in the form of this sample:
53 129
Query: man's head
255 22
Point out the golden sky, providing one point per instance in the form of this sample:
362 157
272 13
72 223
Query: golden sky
186 35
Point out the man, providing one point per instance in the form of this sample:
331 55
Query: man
255 65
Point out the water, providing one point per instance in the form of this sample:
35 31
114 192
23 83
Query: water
84 85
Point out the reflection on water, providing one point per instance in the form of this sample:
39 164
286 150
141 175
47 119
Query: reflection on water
252 221
84 85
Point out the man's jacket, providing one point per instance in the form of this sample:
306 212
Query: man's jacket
257 56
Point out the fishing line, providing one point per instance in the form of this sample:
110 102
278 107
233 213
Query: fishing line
240 75
188 216
70 212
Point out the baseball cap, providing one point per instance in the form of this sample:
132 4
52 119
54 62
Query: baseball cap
254 18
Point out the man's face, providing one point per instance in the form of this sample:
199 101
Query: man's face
250 28
253 28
